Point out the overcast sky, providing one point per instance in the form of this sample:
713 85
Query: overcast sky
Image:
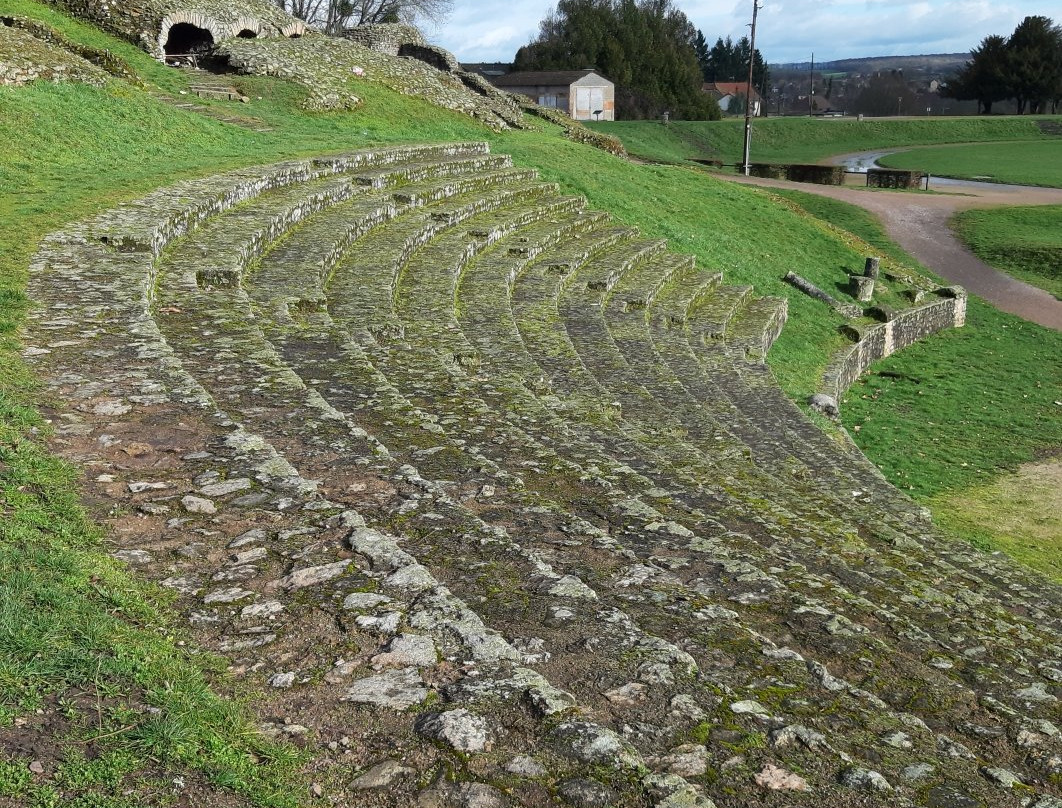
787 31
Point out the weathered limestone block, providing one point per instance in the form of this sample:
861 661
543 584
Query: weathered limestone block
862 288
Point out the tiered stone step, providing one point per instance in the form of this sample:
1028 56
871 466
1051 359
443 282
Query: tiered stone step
372 464
756 327
709 319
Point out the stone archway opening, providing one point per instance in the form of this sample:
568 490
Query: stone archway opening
247 33
186 39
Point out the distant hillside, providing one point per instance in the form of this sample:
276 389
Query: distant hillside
934 63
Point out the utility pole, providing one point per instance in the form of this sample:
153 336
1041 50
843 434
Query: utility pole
811 90
748 90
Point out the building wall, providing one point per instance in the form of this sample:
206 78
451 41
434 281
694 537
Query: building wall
589 94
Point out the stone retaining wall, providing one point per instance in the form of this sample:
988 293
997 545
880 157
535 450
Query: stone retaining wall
894 178
799 172
878 340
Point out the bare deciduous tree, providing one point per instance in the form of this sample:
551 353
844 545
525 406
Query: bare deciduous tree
333 16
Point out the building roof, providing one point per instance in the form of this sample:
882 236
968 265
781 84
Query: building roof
544 78
725 88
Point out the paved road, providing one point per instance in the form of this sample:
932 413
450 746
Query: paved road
919 224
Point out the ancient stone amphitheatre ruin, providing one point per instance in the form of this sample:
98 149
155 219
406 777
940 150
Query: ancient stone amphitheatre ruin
497 503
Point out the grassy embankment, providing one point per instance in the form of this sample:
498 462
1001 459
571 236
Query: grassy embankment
1025 242
809 140
936 418
1030 163
74 625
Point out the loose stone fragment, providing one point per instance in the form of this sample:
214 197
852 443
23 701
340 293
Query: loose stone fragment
628 695
917 771
111 407
141 487
133 556
267 608
688 760
464 731
593 744
524 766
397 689
1036 692
311 576
198 505
357 601
282 680
225 487
864 780
228 595
583 793
898 740
778 779
1002 777
407 649
462 795
785 736
748 707
382 775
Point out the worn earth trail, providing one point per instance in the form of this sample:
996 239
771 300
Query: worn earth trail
919 224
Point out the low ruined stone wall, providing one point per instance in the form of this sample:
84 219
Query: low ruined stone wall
100 57
439 58
799 172
386 37
25 57
894 178
878 340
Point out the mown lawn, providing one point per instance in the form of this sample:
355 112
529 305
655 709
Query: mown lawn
1030 163
809 140
1025 242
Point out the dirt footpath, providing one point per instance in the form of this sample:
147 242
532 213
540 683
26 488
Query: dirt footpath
919 224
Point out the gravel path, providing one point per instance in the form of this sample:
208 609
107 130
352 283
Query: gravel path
919 224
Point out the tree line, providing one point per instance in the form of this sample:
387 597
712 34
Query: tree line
648 48
1025 67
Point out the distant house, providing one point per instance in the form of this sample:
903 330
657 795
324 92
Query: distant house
583 94
729 92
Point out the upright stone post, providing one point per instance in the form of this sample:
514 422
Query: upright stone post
862 288
872 267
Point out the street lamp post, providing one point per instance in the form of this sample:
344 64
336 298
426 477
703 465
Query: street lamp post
748 91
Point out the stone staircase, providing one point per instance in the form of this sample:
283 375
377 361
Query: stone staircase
498 503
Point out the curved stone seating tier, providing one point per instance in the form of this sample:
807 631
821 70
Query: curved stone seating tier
531 466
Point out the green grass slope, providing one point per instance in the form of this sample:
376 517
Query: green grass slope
1035 163
809 140
1025 242
73 623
